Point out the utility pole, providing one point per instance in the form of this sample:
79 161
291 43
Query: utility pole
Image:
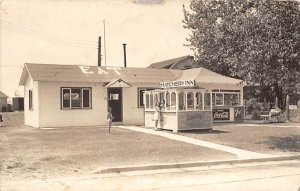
104 41
99 51
125 62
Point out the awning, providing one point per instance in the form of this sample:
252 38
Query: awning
118 83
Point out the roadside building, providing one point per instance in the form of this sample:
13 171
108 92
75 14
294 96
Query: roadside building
3 102
71 95
18 103
181 63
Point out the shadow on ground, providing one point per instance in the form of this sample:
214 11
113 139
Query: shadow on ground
287 144
201 131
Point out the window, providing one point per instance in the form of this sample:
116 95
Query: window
231 99
190 100
219 99
141 95
30 100
76 98
181 101
207 101
167 101
199 101
147 101
151 101
173 101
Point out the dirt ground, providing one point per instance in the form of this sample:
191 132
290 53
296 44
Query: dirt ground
33 153
272 138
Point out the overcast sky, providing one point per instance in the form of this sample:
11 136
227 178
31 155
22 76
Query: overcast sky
66 32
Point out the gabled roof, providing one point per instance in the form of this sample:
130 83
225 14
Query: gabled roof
76 73
2 95
169 64
203 75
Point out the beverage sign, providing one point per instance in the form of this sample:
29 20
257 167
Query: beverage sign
220 114
238 113
180 83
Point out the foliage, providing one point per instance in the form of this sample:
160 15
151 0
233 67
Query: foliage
257 41
255 108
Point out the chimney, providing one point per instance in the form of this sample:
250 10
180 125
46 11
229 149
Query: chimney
124 48
99 51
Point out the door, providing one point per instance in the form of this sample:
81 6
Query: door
114 99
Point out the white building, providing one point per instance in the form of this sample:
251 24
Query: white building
71 95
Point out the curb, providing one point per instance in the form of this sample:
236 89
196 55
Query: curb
193 164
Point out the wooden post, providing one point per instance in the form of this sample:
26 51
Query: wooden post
287 107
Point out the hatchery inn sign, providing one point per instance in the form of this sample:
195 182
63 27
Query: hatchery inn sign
180 83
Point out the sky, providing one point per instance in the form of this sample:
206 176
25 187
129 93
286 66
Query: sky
67 31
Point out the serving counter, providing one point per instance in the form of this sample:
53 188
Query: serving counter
179 109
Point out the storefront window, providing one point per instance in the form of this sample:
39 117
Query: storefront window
151 101
167 101
199 101
141 96
231 99
190 100
219 99
181 101
207 101
173 101
147 101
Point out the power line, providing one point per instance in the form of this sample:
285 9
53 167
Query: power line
62 42
42 36
59 37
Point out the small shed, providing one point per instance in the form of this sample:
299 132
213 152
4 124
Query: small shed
3 102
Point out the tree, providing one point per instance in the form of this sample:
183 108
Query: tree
257 41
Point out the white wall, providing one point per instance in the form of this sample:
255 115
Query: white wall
51 113
31 116
131 113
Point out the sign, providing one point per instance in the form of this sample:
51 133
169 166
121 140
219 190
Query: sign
220 114
238 113
180 83
194 120
292 107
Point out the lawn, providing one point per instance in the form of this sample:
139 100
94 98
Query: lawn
27 152
278 139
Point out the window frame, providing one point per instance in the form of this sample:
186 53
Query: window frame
30 99
81 97
141 96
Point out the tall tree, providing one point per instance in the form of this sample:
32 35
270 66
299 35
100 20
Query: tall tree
257 41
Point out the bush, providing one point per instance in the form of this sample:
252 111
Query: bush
254 107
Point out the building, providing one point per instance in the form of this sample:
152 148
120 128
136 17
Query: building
18 103
3 102
181 63
71 95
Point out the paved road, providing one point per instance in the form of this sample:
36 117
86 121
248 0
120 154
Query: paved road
267 176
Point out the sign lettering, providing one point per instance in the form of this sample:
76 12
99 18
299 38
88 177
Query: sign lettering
100 71
181 83
220 114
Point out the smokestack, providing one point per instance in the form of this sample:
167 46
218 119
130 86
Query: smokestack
99 51
124 48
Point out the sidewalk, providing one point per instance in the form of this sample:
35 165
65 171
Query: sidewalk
241 154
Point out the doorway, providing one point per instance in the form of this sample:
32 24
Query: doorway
114 98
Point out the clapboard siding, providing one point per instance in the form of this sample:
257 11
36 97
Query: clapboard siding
52 115
31 116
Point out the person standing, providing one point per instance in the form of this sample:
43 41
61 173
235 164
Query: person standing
109 119
156 116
